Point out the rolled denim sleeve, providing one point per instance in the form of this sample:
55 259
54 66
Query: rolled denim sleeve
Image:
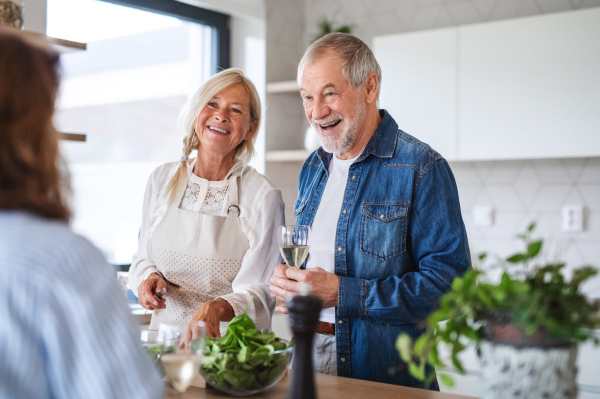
436 243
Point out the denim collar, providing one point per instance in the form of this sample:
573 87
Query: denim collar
382 144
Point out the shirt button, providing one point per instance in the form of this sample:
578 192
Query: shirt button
341 322
353 177
340 249
344 211
382 216
343 360
312 209
387 324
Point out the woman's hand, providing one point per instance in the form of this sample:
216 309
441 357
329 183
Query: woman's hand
212 313
148 288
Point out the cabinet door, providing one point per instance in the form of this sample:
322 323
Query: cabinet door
530 87
419 85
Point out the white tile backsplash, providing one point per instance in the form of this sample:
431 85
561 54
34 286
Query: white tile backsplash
552 171
574 167
464 13
588 3
465 173
504 172
506 9
424 18
549 6
527 183
551 198
505 197
590 172
485 8
529 7
590 194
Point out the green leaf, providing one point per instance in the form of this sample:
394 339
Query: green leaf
420 344
534 248
433 357
417 371
456 363
404 346
516 258
447 380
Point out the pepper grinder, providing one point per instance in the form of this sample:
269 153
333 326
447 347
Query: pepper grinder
304 313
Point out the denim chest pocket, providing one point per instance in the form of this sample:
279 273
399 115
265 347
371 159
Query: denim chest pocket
299 206
383 229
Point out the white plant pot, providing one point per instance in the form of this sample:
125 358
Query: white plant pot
311 140
529 372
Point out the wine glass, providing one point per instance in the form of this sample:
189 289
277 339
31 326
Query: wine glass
294 243
182 365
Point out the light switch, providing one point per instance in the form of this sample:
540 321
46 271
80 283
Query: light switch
572 218
483 216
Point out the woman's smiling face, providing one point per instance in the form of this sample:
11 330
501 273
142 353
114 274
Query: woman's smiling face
225 121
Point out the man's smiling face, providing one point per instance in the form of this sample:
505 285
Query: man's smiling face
333 107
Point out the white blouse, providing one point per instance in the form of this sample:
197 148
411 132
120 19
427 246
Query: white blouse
261 212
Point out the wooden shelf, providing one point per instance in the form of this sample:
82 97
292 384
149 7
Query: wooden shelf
66 46
71 136
286 156
287 86
60 45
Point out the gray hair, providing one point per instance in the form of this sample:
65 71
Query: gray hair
357 58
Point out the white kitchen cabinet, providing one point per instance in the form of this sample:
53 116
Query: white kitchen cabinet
530 87
419 85
514 89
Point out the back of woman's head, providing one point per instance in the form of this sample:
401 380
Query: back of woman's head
29 176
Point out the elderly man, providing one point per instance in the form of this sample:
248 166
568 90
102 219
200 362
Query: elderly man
388 235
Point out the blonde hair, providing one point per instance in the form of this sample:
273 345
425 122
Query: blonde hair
30 177
187 120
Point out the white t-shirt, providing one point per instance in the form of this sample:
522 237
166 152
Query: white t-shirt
322 247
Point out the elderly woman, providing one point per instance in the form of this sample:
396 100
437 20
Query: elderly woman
67 331
208 226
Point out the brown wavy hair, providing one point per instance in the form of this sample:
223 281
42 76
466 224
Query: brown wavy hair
30 178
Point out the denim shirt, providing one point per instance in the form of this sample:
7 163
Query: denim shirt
400 241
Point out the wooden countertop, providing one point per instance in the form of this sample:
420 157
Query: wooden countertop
330 387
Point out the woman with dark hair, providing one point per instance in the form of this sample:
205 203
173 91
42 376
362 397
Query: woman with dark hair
66 329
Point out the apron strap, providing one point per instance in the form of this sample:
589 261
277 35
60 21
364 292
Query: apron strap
234 209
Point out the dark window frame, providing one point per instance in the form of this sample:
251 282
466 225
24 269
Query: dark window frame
218 21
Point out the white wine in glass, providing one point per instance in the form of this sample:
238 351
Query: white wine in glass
294 243
180 369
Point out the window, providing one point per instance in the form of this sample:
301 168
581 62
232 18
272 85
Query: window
143 60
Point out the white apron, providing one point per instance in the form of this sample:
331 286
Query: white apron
199 255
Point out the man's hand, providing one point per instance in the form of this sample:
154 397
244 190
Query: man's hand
148 288
212 313
285 284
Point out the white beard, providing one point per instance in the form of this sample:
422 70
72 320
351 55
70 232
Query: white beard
342 142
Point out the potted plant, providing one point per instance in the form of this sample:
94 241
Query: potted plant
525 328
326 27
